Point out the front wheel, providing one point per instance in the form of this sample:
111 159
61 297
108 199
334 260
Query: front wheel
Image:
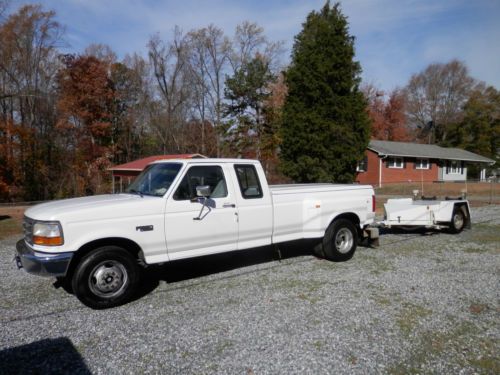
106 277
340 241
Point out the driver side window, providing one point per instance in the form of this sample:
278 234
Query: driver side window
199 176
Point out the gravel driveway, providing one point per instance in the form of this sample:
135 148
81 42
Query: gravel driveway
420 303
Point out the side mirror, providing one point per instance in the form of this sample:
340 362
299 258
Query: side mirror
203 191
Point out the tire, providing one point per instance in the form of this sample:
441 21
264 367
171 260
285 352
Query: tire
457 221
106 277
340 241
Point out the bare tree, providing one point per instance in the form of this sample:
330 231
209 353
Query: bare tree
139 112
101 51
169 63
28 66
209 60
435 97
249 41
199 78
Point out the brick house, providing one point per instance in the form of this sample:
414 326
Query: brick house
123 174
392 162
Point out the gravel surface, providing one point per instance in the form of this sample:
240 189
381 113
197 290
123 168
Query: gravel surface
420 303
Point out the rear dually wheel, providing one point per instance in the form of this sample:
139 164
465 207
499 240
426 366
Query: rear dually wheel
340 241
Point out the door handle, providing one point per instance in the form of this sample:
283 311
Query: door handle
228 205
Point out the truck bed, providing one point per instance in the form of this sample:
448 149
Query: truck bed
305 210
314 188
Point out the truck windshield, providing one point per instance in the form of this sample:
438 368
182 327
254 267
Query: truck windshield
155 179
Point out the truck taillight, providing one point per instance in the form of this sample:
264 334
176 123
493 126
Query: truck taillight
374 204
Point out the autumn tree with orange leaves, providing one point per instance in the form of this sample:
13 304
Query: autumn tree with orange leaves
87 105
387 114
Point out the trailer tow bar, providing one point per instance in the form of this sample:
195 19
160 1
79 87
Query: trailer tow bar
371 233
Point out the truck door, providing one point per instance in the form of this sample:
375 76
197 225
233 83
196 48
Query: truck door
190 233
254 204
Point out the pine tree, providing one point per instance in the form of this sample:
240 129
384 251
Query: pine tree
247 92
479 130
325 127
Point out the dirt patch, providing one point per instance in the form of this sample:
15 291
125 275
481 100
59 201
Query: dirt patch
11 221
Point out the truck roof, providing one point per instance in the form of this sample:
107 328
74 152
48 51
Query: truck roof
207 161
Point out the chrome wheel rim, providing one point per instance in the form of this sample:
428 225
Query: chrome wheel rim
458 221
344 240
108 279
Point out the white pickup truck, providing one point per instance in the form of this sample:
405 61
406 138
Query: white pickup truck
98 246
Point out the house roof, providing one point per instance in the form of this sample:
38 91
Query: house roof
389 148
140 164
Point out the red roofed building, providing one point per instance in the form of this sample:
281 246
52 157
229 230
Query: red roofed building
124 174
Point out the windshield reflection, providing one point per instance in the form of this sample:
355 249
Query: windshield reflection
155 179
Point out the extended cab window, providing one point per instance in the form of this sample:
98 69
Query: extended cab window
248 181
200 176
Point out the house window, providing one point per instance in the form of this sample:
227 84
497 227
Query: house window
454 167
395 163
422 164
362 165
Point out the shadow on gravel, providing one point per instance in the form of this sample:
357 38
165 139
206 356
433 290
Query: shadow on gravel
192 268
50 356
409 234
412 230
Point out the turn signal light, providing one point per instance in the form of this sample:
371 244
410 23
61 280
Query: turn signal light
51 241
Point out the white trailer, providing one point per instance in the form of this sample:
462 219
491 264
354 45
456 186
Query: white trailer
406 213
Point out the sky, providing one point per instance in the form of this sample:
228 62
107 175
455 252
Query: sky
394 38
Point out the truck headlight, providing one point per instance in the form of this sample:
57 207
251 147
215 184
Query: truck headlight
47 233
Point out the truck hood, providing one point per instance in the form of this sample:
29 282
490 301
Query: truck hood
94 207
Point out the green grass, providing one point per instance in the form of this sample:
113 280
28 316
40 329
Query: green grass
382 301
475 251
410 316
378 265
465 342
223 346
318 345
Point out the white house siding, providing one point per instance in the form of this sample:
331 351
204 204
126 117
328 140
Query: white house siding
447 174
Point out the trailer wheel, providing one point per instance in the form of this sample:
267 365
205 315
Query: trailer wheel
340 241
457 221
106 277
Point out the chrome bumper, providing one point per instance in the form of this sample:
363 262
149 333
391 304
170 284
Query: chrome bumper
41 264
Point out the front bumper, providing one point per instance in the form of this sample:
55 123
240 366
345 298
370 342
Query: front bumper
41 264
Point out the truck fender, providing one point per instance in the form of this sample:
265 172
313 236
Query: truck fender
125 243
351 216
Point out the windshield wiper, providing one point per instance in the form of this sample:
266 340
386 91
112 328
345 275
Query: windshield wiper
133 191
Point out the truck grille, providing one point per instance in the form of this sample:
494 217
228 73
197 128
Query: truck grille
28 230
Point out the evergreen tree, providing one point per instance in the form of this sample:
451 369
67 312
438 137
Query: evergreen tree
247 92
325 127
479 130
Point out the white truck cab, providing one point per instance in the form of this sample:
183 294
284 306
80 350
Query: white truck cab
176 209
